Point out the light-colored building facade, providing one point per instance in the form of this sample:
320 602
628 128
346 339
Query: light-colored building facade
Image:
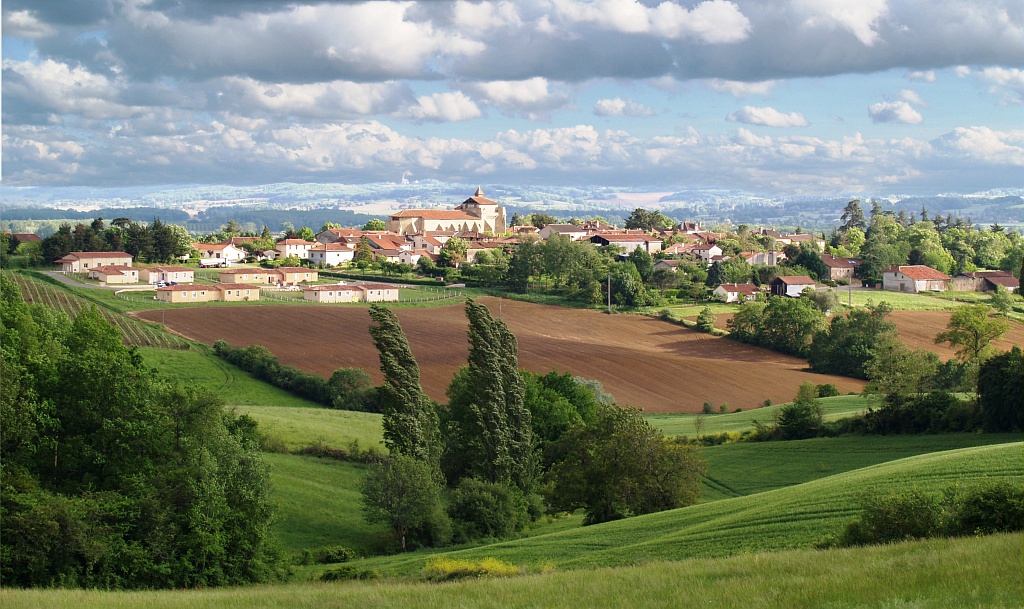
219 251
114 274
331 254
294 247
208 293
80 262
477 214
177 274
914 278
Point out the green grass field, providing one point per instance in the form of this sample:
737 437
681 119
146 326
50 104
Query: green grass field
237 387
318 505
300 427
837 407
970 572
746 468
784 519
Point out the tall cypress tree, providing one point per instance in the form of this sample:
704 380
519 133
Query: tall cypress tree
410 419
497 438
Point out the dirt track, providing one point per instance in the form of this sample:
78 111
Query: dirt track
643 362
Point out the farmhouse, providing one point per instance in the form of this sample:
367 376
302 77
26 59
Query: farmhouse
221 252
840 268
232 292
573 232
628 242
915 278
985 281
476 213
672 265
79 262
379 292
771 258
736 292
177 274
331 254
115 274
294 247
792 286
26 237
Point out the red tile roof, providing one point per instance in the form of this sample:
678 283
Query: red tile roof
918 272
434 214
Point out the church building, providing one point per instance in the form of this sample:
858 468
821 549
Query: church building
476 214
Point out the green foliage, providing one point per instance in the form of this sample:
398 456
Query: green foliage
374 224
131 482
783 324
480 510
803 417
403 493
620 466
410 418
896 371
643 262
1002 300
557 403
334 554
348 388
488 427
971 330
706 320
349 573
980 508
1001 391
846 346
828 390
648 220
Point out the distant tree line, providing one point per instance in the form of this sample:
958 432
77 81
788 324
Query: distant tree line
347 389
152 242
115 478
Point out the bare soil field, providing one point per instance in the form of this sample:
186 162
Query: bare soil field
643 362
918 330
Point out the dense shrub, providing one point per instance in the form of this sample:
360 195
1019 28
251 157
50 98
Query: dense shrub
334 554
348 573
828 390
978 509
347 389
481 509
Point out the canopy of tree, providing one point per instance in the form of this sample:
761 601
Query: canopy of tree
113 478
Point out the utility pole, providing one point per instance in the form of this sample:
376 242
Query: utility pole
609 291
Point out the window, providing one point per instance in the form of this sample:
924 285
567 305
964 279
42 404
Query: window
193 294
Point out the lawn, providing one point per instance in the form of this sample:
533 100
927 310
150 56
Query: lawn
837 407
299 427
961 573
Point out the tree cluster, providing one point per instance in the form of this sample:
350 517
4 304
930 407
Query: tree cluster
113 478
499 442
153 242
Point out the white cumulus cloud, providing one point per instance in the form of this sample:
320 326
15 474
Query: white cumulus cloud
894 112
768 116
740 89
621 107
442 108
860 17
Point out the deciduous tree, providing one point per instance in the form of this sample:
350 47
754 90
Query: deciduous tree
971 330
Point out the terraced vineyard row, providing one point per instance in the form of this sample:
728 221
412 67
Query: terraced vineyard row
133 332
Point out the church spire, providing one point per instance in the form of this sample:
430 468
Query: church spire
479 192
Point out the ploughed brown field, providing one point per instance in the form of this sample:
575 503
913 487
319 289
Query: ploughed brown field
643 362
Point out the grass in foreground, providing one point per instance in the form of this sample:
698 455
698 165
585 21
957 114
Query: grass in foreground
837 407
933 574
784 519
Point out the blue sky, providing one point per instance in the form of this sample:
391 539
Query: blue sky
794 97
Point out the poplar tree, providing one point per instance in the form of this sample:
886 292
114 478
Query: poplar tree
491 437
410 419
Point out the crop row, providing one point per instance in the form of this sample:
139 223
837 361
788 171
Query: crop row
132 332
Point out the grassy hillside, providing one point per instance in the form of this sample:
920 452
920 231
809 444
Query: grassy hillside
837 407
746 468
935 574
789 518
318 505
237 387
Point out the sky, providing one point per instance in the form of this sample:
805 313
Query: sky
779 97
